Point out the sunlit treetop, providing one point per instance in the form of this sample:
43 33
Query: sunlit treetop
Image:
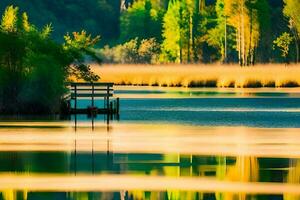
46 31
10 19
291 10
13 22
25 22
80 40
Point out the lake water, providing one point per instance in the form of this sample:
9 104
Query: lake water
169 144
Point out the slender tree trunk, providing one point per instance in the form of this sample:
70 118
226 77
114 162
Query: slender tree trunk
297 49
202 4
250 54
239 44
240 40
123 5
296 38
190 36
180 42
296 44
225 41
195 31
243 35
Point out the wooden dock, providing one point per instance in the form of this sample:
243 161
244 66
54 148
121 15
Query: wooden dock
94 92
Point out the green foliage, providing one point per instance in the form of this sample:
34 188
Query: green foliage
78 46
283 43
25 22
172 33
47 30
141 20
80 40
291 10
216 36
132 52
98 17
185 32
34 68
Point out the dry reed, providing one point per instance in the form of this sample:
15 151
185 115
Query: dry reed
201 75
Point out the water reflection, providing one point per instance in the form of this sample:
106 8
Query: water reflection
138 161
145 176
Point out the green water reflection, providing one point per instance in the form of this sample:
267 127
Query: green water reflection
244 169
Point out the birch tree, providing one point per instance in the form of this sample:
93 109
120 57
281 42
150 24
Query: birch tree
243 16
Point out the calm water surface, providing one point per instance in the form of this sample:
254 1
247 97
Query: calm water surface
169 144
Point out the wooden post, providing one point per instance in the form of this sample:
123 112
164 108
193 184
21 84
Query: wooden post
107 104
93 95
75 88
107 100
118 106
111 110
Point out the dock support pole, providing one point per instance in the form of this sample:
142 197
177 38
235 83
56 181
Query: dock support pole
75 87
93 95
107 100
118 106
107 104
111 110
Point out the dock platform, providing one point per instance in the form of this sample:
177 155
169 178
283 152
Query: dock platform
94 92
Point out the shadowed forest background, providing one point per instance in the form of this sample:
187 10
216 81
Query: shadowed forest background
174 31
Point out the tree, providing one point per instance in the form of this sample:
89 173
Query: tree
171 46
264 48
178 32
77 46
291 10
141 21
98 17
9 19
34 68
243 16
283 43
146 52
217 36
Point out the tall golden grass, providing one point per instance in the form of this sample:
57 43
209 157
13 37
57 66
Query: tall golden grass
201 75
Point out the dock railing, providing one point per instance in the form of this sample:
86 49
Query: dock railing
94 92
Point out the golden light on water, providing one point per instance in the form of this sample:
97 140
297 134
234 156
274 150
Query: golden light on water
224 141
44 182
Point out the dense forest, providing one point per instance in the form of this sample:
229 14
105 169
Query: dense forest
177 31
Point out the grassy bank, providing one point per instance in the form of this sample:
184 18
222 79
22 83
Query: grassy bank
201 75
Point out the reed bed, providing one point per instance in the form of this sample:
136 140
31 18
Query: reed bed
229 76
